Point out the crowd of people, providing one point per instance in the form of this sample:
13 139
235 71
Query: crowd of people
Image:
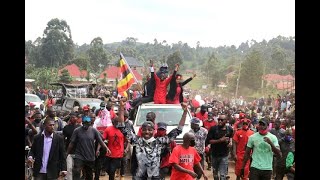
89 142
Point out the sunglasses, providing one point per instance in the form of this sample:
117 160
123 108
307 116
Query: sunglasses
221 119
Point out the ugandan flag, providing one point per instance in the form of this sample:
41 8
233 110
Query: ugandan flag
127 77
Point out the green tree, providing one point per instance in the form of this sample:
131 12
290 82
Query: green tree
42 76
252 71
278 60
173 59
97 54
212 70
82 62
57 46
65 76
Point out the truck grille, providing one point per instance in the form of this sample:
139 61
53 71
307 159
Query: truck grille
178 140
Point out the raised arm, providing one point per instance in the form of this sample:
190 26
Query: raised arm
34 130
188 80
131 136
177 131
184 115
168 80
153 74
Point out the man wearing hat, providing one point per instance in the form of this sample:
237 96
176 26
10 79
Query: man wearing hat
240 138
202 114
238 123
102 107
148 148
84 138
200 134
263 145
165 166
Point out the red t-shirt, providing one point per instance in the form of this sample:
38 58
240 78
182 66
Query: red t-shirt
160 91
202 116
115 141
154 132
185 158
50 102
208 124
241 138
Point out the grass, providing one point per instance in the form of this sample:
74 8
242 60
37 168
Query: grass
196 83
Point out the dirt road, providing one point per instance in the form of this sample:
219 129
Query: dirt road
208 173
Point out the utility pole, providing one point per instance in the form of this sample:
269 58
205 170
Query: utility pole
238 79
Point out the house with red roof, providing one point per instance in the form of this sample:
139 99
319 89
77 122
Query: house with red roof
113 73
75 72
280 82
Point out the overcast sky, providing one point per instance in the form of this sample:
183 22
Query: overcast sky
212 22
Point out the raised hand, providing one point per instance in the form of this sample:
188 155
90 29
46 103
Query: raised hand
184 106
177 67
151 63
266 139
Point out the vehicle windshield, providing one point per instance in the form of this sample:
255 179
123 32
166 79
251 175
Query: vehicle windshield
171 116
92 103
32 98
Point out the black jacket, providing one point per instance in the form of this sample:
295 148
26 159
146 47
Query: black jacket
57 156
173 89
150 86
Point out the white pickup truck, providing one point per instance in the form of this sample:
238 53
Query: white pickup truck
168 113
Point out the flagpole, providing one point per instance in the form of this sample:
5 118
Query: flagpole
122 57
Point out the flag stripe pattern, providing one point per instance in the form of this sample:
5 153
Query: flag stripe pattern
127 78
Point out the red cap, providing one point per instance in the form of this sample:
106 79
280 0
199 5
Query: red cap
85 108
242 115
245 120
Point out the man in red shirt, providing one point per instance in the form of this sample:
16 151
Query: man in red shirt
116 142
239 147
162 83
183 158
50 101
236 124
203 114
208 123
